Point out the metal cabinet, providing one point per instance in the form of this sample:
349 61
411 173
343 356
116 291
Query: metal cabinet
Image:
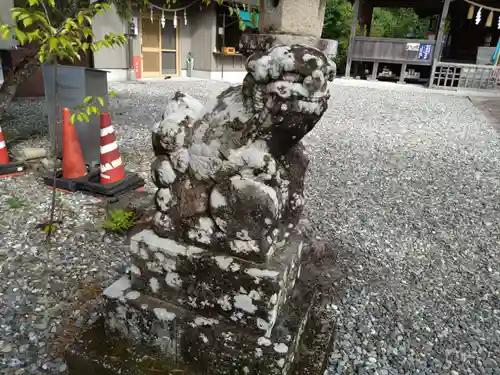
73 84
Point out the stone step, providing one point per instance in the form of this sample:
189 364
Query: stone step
247 293
206 342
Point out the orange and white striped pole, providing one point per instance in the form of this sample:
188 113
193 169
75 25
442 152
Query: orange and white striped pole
112 168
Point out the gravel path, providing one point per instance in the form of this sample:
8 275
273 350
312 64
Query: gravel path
409 183
406 182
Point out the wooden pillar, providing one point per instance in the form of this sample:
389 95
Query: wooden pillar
261 8
350 49
438 47
365 17
370 19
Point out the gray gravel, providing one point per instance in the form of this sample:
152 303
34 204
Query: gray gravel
407 183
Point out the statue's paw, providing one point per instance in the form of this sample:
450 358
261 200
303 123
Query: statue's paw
162 172
244 208
164 199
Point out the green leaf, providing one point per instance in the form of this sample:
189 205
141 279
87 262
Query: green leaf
53 44
5 33
15 14
101 101
20 35
48 228
87 99
112 94
72 118
27 22
255 22
85 117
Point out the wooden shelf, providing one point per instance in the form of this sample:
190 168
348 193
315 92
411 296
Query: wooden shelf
228 54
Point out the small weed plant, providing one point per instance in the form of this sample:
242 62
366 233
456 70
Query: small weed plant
14 202
119 221
49 228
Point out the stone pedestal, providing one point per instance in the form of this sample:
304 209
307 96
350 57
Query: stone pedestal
251 43
294 17
211 311
290 22
181 306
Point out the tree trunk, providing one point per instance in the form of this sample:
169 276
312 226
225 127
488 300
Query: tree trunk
20 73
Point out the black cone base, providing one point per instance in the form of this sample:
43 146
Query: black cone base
92 185
11 169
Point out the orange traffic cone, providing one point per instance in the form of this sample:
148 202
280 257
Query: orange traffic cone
112 168
4 155
7 167
73 164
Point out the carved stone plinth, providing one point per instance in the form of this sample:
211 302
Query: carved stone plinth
217 309
246 293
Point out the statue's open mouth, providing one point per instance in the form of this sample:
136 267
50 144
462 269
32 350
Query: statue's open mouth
288 79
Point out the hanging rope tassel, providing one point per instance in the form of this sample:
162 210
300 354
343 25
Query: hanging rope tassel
489 21
470 15
498 22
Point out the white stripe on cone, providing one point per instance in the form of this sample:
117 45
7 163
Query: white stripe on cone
109 166
105 176
107 130
109 147
2 144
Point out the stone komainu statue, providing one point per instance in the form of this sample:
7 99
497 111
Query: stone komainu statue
231 174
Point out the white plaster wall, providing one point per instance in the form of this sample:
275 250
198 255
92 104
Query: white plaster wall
109 58
5 17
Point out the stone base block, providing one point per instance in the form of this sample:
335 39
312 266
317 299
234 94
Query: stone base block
206 342
252 43
140 340
95 353
247 293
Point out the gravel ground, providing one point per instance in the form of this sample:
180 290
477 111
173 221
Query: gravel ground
405 182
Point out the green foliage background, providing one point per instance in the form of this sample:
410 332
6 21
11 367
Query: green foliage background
386 23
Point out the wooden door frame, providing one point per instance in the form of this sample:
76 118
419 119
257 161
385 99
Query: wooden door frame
143 17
